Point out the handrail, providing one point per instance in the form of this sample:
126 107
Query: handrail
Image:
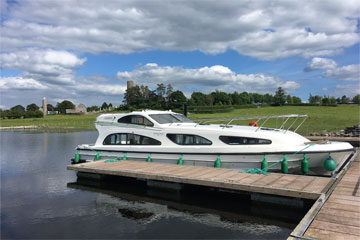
259 118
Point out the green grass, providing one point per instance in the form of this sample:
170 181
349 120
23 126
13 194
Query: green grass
320 118
54 121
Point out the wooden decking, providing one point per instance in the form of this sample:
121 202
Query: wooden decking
306 187
339 217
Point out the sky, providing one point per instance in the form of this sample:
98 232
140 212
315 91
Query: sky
86 51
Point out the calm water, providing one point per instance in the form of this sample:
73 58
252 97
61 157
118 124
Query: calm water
41 199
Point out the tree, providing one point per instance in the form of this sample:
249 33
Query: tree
325 100
177 99
268 98
198 98
161 89
66 104
296 100
110 105
280 97
34 114
345 100
18 108
50 107
356 99
169 91
32 107
16 112
104 106
93 108
289 99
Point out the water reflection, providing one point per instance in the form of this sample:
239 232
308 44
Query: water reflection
143 205
40 199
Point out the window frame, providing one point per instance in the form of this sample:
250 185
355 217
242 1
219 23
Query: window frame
150 124
248 142
129 138
188 135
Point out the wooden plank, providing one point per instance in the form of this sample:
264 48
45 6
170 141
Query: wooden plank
301 183
238 177
192 174
268 179
318 185
211 174
344 220
202 173
343 201
336 206
345 197
336 227
329 235
340 214
284 181
224 176
251 179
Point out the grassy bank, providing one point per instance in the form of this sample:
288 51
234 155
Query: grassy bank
320 118
54 121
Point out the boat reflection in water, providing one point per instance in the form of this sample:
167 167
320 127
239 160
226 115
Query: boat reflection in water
142 204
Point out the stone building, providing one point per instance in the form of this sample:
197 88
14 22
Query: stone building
79 109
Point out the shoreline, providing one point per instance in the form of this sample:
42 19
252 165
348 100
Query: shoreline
34 127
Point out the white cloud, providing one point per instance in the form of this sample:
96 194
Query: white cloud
205 78
20 83
345 73
348 90
261 29
103 89
44 65
320 64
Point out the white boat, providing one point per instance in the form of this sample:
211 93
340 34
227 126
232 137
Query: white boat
168 137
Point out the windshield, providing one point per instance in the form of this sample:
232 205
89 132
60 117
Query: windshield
169 118
182 118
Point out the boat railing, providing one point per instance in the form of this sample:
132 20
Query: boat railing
261 120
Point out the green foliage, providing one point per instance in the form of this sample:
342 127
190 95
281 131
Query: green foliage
280 97
345 100
66 104
33 114
356 99
32 107
50 107
176 99
104 106
18 108
13 114
93 108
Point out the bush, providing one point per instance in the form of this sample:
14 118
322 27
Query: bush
33 114
13 114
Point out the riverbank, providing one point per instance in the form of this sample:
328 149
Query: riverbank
321 119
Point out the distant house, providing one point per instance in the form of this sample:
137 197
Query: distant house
79 109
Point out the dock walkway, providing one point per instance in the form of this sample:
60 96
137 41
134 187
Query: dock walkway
339 217
306 187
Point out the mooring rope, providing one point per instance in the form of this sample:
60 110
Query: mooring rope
262 171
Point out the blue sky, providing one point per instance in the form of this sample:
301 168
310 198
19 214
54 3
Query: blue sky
85 51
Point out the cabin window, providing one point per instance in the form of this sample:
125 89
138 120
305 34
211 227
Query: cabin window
136 119
170 118
129 139
243 140
187 139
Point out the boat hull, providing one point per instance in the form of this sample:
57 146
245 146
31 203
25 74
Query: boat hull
241 162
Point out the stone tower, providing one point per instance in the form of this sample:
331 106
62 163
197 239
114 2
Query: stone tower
44 106
130 84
